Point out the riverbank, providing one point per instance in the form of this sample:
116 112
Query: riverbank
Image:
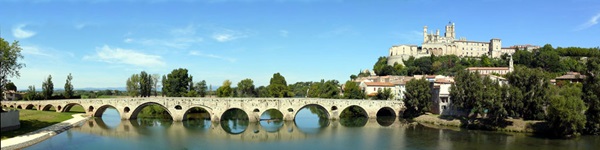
34 137
513 125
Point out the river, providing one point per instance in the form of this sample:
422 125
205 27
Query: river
306 133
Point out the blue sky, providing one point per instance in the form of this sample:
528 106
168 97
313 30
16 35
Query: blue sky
103 42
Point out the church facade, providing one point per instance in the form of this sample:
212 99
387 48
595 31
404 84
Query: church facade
447 44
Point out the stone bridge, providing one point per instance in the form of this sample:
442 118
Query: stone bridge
129 108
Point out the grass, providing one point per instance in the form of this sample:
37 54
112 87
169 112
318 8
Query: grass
32 120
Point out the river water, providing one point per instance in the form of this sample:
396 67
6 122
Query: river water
306 133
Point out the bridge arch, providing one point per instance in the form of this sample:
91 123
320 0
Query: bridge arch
319 107
29 106
47 107
189 110
386 112
139 108
101 109
365 113
68 107
19 107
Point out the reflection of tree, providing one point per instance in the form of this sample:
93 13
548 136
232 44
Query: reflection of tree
235 114
274 114
154 111
354 122
322 113
352 112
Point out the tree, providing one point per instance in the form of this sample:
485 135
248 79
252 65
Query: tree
31 93
417 98
155 81
534 86
493 101
323 89
69 87
278 86
565 115
146 84
11 86
201 87
245 88
591 96
163 84
466 92
385 94
300 89
353 91
9 65
47 87
133 85
225 89
263 91
380 65
176 83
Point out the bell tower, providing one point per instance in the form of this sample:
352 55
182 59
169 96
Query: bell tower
450 31
425 39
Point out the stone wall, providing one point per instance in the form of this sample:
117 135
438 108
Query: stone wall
10 120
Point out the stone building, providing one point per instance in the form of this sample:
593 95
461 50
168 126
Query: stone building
447 44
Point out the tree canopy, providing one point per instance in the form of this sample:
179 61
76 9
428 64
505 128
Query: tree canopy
48 88
225 89
417 98
9 65
245 88
177 83
278 86
353 91
69 87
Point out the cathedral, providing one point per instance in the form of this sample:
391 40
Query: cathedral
438 45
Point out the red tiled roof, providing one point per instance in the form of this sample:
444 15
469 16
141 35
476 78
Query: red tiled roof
378 84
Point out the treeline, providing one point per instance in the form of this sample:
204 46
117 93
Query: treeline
48 90
568 110
443 65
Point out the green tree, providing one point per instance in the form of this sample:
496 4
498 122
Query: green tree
48 87
565 115
31 93
245 88
278 86
177 83
225 89
547 58
385 94
466 92
69 87
201 87
514 101
380 65
11 86
9 65
534 86
263 91
163 84
146 84
133 85
493 101
591 96
324 89
417 98
300 89
523 57
353 91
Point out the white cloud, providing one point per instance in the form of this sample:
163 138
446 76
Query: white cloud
283 33
21 33
197 53
80 26
226 35
125 56
593 21
190 30
34 50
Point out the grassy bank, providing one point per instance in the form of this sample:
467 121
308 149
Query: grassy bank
512 125
32 120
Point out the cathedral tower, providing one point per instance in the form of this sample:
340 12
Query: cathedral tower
425 34
450 31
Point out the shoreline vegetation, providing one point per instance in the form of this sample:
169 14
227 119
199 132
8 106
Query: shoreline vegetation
512 125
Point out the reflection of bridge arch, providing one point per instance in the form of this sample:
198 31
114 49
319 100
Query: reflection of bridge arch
129 108
187 111
326 112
